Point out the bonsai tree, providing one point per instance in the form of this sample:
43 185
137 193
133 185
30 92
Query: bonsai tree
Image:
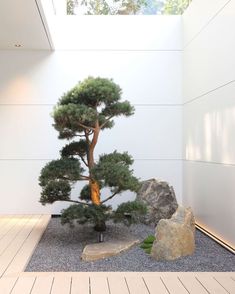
79 117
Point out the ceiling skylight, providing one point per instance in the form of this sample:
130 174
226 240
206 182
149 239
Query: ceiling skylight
126 7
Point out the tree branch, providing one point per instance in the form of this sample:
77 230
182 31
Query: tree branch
87 136
107 120
82 177
89 133
64 178
83 160
86 178
110 197
93 144
78 202
88 144
86 127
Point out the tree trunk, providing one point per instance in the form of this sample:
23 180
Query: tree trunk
95 192
94 185
100 226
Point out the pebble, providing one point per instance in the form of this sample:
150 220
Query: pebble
60 249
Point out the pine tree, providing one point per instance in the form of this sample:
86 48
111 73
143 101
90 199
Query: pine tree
80 115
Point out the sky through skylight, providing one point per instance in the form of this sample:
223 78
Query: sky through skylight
126 7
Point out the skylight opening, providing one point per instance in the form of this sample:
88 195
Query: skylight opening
126 7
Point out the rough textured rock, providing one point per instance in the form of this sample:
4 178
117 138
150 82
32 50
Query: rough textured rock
160 199
175 237
102 250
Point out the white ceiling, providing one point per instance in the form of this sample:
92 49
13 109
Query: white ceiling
23 22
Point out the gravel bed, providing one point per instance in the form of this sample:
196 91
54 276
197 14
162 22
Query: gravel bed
60 249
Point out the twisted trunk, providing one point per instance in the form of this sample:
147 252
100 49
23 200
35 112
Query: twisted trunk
95 192
94 185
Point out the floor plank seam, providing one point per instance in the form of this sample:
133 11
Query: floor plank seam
24 224
8 230
202 285
70 285
146 285
33 285
165 285
221 285
89 285
183 284
19 248
26 237
53 280
127 285
108 284
38 240
14 285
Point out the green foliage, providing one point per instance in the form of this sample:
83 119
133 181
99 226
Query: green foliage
84 111
103 121
119 108
92 92
148 244
148 250
86 193
96 7
128 7
175 6
79 148
150 239
116 158
91 100
104 7
130 212
65 169
131 7
55 191
72 116
113 170
65 133
85 214
71 4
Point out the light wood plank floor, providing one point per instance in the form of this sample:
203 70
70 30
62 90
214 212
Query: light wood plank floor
19 236
118 283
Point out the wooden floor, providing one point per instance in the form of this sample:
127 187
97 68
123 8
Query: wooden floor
20 234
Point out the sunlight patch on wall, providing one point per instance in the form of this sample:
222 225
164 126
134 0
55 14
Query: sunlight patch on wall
192 150
17 89
211 138
208 135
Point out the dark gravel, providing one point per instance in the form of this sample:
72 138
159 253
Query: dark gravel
61 247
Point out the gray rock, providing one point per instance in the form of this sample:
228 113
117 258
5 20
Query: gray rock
175 237
160 199
106 249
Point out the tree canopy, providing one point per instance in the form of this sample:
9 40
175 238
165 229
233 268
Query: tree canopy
127 7
81 114
175 6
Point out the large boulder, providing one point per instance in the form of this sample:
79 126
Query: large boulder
175 237
159 198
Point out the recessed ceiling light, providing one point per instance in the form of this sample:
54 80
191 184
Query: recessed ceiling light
18 45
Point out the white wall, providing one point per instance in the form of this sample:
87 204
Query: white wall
32 81
209 115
